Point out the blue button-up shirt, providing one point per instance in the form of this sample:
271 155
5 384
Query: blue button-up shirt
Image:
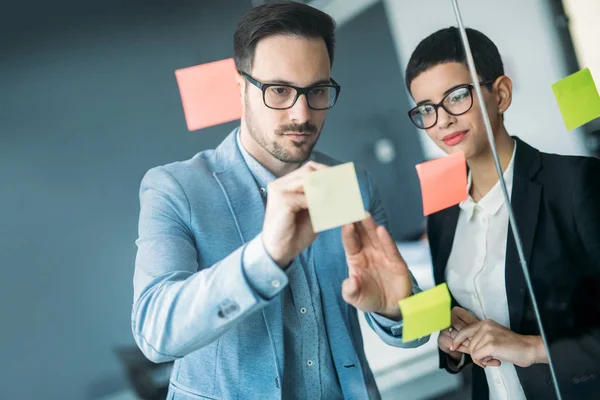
309 371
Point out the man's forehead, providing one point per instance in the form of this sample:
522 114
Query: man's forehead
297 60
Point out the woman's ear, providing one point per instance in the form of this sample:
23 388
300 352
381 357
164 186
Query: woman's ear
503 87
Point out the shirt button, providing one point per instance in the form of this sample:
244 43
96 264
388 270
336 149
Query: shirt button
498 381
303 310
263 191
310 363
275 283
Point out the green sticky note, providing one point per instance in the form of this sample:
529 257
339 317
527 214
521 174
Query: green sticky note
577 98
425 313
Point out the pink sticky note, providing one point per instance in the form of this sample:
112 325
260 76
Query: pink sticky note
209 93
443 182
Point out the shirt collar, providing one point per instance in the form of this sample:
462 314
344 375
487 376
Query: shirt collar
262 175
492 202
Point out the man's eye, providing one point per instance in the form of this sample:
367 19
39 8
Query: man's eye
280 90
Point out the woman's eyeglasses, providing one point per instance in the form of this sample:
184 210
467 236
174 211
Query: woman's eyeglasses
457 102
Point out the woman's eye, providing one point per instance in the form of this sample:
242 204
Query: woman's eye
426 110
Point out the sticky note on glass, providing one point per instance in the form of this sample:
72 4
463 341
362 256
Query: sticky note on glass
577 98
425 313
333 197
209 93
443 182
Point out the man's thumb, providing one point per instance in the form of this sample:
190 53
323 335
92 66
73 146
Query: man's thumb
351 290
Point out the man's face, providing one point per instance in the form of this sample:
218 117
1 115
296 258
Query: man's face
465 132
287 135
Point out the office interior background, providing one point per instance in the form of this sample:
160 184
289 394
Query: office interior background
89 102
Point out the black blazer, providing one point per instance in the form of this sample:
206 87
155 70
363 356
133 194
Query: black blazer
556 202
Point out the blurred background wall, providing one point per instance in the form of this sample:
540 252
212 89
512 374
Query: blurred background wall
89 102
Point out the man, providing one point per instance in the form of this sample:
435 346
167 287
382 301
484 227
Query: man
230 280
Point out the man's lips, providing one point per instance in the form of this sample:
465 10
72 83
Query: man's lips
298 136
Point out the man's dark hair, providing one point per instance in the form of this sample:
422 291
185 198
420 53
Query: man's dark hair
289 18
445 46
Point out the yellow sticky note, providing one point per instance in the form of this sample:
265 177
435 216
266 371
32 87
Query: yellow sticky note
577 98
333 197
425 313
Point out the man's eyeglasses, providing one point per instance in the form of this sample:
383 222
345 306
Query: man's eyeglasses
282 97
457 102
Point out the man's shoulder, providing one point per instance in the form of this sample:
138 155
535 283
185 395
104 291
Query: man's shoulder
183 171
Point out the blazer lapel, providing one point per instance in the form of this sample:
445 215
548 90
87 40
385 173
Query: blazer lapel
248 210
445 230
525 201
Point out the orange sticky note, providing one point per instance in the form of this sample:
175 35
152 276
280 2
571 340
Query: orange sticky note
209 93
443 182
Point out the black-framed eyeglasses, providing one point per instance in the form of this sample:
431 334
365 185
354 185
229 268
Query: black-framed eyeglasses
282 97
458 101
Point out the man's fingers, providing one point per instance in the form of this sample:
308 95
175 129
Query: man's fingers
351 289
294 202
294 181
389 246
313 165
370 227
350 240
362 234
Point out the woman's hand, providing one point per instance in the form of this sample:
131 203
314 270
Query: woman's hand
487 341
460 319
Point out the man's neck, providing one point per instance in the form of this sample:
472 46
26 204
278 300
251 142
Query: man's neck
483 169
273 165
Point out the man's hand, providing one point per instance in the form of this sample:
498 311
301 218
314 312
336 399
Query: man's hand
487 341
287 229
377 274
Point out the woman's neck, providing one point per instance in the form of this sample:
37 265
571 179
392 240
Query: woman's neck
483 168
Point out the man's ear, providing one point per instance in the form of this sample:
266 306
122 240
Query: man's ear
503 86
241 83
239 79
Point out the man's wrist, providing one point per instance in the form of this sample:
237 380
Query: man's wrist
281 261
393 315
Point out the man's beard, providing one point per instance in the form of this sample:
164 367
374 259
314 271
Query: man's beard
273 147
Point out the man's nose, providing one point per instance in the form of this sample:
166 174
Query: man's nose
300 111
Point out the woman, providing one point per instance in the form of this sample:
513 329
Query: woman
556 201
